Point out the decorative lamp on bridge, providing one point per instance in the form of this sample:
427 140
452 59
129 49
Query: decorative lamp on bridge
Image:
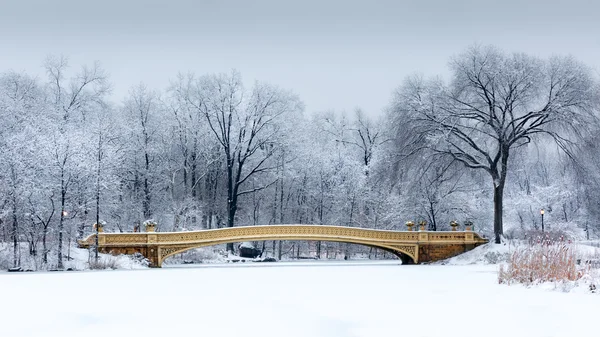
454 225
99 227
150 226
422 225
410 225
468 225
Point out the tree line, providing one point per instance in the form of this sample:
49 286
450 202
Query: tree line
506 135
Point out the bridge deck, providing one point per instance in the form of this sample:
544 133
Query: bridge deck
164 244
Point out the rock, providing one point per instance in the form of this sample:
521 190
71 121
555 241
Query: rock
249 252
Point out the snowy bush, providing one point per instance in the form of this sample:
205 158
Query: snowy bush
547 258
591 281
538 237
198 255
105 262
5 261
494 257
140 259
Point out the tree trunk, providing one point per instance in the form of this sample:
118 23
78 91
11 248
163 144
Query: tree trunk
230 217
214 194
185 173
15 231
433 224
499 181
350 221
81 227
44 244
32 246
98 196
281 217
231 198
63 196
279 250
498 203
320 220
193 174
15 223
147 213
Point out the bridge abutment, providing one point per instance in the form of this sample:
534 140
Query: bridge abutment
437 252
151 253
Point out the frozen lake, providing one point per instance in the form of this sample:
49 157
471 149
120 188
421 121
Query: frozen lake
309 299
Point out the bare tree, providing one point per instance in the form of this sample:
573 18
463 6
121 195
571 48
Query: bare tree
44 222
71 101
246 128
367 136
19 103
142 109
497 103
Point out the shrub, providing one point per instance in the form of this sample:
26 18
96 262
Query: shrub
198 255
495 257
105 262
140 259
544 259
549 237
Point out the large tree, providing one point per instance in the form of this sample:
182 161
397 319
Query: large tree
246 124
71 101
19 101
494 104
143 113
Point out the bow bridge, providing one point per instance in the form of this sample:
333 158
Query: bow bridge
410 246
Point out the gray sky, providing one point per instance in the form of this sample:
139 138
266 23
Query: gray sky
334 54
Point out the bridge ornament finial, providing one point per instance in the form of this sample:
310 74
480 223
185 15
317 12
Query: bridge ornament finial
99 227
454 225
422 225
468 226
410 225
150 226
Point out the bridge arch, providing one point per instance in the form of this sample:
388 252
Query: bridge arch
405 254
410 246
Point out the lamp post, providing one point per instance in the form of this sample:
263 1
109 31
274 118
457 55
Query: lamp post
587 231
542 213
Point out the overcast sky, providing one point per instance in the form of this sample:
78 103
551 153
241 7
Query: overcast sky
336 55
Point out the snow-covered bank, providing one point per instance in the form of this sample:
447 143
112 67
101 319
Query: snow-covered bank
499 255
485 254
292 299
74 259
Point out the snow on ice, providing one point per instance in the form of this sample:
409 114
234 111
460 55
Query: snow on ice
313 299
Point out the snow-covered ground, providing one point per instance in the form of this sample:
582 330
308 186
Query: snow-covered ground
74 258
307 299
495 254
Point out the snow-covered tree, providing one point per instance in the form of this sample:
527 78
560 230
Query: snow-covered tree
497 103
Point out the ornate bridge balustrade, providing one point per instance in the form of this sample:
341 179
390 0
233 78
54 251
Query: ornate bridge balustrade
410 246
